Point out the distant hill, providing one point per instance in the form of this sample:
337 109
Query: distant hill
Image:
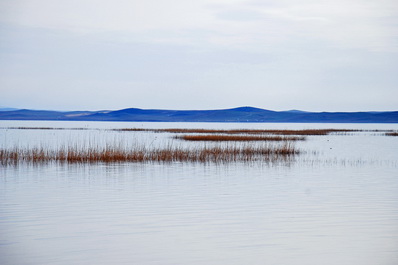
7 109
241 114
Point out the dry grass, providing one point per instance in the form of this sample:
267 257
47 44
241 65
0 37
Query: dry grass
237 138
392 134
112 154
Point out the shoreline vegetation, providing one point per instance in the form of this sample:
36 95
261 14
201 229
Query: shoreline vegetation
116 153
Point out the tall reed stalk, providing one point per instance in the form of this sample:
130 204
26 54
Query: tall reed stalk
114 153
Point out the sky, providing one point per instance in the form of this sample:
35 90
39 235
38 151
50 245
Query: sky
312 55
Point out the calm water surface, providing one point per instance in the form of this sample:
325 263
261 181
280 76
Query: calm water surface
336 203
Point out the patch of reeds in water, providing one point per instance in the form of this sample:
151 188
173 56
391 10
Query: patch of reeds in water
304 132
392 134
112 154
244 131
238 138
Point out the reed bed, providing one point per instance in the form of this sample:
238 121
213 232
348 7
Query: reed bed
305 132
244 131
113 154
238 138
392 134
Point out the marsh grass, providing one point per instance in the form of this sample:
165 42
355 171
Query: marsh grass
115 153
244 131
305 132
237 138
392 134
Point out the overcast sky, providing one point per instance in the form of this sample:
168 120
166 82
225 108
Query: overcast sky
314 55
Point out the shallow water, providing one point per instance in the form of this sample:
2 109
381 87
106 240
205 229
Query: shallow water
337 203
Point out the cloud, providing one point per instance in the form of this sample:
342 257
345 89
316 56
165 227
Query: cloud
311 55
117 15
233 24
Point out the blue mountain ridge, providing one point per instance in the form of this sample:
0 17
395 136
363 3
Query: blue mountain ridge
240 114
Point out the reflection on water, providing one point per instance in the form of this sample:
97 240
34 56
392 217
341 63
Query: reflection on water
337 203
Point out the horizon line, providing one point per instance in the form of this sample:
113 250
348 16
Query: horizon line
2 108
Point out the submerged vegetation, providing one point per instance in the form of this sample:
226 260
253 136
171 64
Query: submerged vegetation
107 154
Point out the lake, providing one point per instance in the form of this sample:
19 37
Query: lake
334 203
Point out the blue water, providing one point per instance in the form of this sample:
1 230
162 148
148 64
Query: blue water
337 203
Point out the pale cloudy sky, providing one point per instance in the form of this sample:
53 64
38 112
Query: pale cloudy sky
313 55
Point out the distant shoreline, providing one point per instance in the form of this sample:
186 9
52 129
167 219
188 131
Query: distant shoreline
234 115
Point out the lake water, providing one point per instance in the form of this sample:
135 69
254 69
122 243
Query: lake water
336 203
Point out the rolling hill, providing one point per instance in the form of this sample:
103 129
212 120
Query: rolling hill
241 114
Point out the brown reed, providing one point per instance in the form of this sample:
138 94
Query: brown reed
392 134
244 131
214 131
111 154
237 138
